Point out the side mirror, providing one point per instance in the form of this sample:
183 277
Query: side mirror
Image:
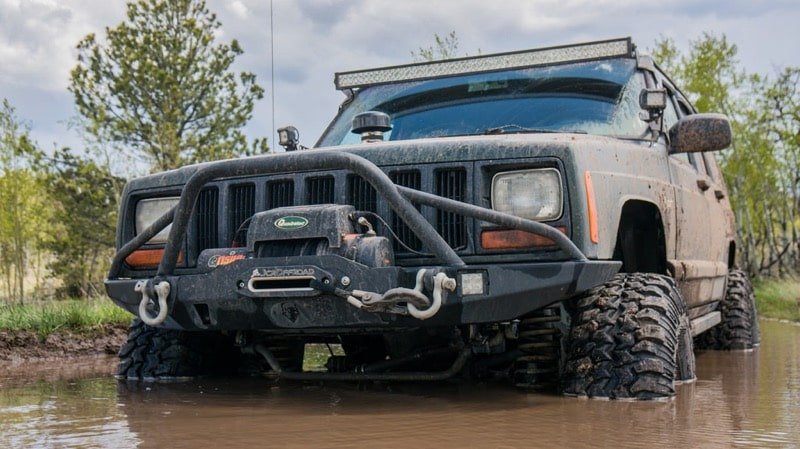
700 132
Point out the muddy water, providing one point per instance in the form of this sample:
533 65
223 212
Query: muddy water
740 400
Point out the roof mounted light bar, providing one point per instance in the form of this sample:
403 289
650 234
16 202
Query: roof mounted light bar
488 63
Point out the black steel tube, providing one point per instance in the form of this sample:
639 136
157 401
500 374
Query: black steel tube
454 369
493 216
302 161
499 359
400 361
151 231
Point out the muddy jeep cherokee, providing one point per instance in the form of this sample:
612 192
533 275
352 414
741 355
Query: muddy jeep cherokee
554 217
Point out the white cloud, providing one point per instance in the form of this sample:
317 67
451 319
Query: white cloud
315 38
238 9
38 38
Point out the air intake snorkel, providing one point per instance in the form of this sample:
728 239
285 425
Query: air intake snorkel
371 125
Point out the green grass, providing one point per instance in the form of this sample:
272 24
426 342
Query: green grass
316 355
45 317
778 298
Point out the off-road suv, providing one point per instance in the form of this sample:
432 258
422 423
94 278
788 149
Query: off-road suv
553 217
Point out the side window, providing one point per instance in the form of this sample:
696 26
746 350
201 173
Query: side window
711 166
670 115
696 160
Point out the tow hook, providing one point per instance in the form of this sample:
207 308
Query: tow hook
162 292
418 304
440 282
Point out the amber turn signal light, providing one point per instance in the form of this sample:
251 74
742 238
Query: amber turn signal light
515 239
147 258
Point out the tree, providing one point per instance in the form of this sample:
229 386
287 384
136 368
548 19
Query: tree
23 208
762 167
85 197
443 48
160 85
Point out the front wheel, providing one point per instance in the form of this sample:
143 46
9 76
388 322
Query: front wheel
630 338
159 354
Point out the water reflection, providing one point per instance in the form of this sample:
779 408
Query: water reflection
740 400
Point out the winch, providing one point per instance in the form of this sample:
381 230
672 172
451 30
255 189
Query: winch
317 230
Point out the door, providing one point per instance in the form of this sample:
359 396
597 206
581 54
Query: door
700 264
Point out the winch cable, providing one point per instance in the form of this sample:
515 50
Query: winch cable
417 304
392 233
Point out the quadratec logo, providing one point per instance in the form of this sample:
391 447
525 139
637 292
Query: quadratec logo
291 222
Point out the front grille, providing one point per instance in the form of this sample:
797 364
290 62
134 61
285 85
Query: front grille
280 193
413 180
361 195
206 219
244 199
241 206
319 190
452 183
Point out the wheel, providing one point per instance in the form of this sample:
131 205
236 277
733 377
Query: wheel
739 326
152 353
630 338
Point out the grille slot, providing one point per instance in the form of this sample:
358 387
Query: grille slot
206 219
361 195
319 190
452 183
413 180
242 202
280 194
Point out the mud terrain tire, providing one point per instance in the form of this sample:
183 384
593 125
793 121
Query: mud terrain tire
738 329
151 353
630 339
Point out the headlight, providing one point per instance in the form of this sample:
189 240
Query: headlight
149 210
532 194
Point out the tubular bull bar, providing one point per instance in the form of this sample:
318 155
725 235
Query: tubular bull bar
547 282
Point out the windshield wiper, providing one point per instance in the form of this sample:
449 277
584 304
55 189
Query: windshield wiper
515 129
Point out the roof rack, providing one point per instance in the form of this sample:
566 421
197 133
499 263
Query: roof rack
487 63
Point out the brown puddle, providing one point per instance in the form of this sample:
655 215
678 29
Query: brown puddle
740 400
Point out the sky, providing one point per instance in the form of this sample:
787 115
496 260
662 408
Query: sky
313 39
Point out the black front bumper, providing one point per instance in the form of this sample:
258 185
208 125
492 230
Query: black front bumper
222 300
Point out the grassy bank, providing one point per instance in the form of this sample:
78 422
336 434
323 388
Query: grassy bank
45 317
778 298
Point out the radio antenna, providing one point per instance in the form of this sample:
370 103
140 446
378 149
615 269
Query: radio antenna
272 69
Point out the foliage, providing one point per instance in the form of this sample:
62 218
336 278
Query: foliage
316 355
22 202
85 197
160 85
46 317
762 167
443 48
778 298
59 211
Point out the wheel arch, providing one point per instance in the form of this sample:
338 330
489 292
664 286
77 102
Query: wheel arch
640 238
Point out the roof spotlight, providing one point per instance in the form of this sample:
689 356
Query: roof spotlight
289 138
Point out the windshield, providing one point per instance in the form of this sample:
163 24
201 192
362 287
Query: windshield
598 97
